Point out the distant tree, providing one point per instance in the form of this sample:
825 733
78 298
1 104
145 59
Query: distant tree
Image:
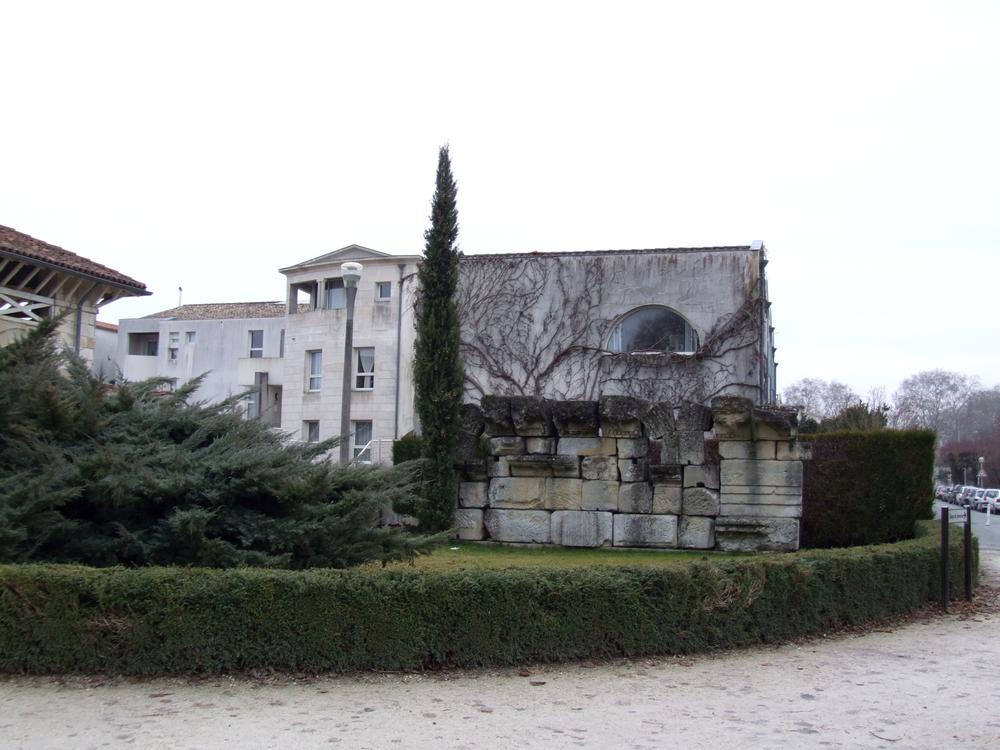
936 399
819 399
437 368
857 417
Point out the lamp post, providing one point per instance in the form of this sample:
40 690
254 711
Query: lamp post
352 274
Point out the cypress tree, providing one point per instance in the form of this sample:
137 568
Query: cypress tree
437 367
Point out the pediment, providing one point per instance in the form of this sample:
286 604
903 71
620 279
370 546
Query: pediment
350 252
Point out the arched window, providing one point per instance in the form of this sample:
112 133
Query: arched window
653 329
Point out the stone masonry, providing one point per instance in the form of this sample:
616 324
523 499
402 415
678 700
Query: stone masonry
629 473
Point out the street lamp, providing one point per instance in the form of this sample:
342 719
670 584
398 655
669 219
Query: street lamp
351 272
981 476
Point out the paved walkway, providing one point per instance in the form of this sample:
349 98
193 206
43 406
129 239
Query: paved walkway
934 683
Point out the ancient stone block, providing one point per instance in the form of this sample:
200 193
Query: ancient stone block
753 534
794 493
542 445
736 449
506 445
496 415
732 418
696 532
761 473
530 415
667 499
775 422
621 416
580 528
467 448
763 450
691 447
693 417
635 497
639 530
472 420
563 494
757 509
658 420
517 525
666 474
699 501
702 475
497 466
665 450
474 471
574 418
469 524
517 492
632 469
598 495
473 494
533 465
586 446
633 448
600 467
793 451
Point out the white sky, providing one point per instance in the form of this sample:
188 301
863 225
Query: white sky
207 144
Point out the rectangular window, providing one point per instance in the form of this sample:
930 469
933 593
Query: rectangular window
281 344
314 362
364 365
362 442
143 344
336 296
173 342
383 291
310 431
256 344
190 336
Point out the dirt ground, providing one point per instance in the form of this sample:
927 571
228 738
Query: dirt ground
930 683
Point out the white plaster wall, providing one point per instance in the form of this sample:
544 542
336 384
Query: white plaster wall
106 364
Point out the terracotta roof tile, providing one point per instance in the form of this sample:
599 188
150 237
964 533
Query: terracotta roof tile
224 310
33 249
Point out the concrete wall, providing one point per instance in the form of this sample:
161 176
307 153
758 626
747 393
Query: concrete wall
106 363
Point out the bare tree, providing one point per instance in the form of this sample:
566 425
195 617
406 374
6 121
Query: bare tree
936 399
820 399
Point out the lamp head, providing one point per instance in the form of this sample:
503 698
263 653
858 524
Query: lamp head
351 272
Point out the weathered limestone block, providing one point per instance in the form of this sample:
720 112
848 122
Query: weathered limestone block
506 445
667 499
532 465
763 450
712 451
530 415
541 445
793 451
691 447
599 495
586 446
497 466
581 528
775 422
517 525
469 523
732 418
633 469
699 501
792 494
658 419
742 472
600 467
666 474
467 448
633 448
758 509
665 450
639 530
517 492
496 415
736 449
693 417
704 475
751 534
696 532
473 494
635 497
474 471
621 416
575 418
563 494
472 420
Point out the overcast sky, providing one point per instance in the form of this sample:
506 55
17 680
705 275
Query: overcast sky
207 144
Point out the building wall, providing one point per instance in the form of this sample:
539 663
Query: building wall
106 363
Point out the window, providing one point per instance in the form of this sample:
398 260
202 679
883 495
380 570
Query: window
256 344
383 291
281 344
314 362
143 344
362 442
364 365
310 431
336 296
174 342
653 329
190 336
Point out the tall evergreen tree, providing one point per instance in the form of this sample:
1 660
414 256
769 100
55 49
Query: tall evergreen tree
437 367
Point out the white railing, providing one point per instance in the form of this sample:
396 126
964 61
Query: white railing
374 452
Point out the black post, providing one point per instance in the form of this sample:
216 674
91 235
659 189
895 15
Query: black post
944 558
968 554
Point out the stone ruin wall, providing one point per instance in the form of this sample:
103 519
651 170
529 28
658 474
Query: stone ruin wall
629 473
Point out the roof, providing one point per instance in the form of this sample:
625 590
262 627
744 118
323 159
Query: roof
107 326
350 252
30 248
640 251
223 310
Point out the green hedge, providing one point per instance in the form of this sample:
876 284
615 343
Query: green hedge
408 448
866 487
62 619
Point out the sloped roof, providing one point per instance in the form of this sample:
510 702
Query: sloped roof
30 248
224 310
350 252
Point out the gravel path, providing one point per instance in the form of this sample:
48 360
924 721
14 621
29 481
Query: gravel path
934 683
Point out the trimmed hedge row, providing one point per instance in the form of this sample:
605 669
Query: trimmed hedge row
866 487
61 619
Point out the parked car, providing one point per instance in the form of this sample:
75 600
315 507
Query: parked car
991 500
977 501
965 496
